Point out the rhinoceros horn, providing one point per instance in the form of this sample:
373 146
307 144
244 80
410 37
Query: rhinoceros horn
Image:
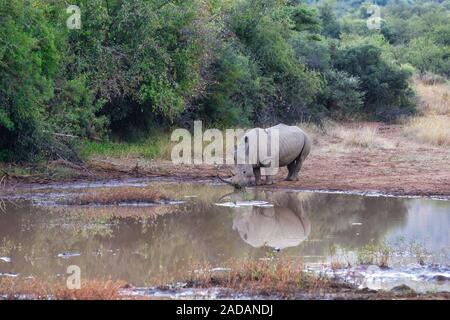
228 181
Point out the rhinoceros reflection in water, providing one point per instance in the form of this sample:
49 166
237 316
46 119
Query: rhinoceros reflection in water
276 227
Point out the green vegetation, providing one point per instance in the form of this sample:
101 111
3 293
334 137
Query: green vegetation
148 149
138 67
374 254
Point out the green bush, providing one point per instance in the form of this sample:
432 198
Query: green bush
385 83
342 96
140 64
28 60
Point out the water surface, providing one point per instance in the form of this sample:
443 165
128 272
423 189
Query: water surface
139 244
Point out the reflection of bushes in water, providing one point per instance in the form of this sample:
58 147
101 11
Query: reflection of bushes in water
154 241
108 196
150 244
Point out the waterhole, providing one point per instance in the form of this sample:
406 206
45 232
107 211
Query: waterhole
376 242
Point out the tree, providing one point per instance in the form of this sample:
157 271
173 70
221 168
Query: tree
385 83
28 61
330 25
426 55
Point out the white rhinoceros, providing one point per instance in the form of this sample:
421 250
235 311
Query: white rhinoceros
292 144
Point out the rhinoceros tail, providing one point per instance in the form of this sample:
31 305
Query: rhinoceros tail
306 148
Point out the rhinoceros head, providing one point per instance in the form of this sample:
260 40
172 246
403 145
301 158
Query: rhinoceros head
241 176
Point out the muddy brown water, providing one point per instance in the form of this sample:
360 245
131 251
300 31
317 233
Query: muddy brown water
139 243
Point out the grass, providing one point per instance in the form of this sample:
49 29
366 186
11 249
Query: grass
281 277
434 99
2 186
313 131
346 135
110 196
432 126
6 247
434 130
87 214
11 288
155 147
374 254
359 136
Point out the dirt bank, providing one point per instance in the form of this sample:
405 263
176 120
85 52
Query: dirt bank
390 163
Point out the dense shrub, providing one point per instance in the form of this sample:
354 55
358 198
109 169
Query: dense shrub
342 96
28 61
140 64
385 83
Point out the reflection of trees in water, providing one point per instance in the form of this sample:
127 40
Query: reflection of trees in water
142 248
151 245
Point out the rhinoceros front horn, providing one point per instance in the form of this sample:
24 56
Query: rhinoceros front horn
228 181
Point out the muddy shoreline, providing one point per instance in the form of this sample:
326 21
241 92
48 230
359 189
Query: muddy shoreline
396 166
336 291
193 176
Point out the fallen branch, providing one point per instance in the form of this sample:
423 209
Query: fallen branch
62 134
6 174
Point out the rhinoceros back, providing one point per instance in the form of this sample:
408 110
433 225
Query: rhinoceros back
291 142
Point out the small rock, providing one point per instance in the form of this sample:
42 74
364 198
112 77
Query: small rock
403 289
127 286
441 278
368 290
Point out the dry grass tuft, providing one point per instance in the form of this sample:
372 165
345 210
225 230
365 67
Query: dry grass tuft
433 126
282 277
313 131
433 130
360 137
433 99
91 290
99 214
112 196
19 288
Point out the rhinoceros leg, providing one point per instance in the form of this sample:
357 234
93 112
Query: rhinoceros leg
291 168
257 173
296 166
269 179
